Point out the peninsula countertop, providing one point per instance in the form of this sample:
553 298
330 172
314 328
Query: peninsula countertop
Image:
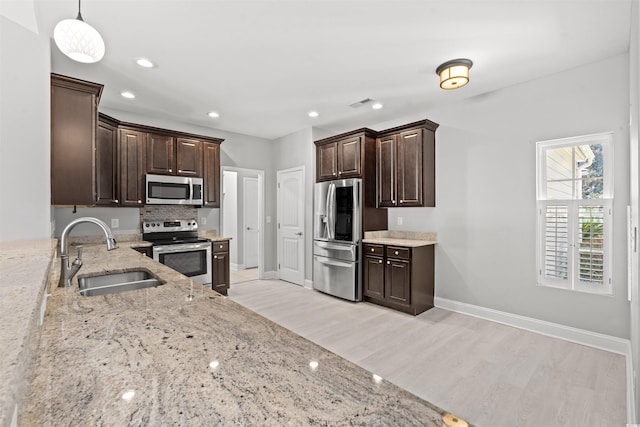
182 354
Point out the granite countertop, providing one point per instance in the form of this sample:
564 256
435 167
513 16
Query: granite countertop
24 270
410 239
182 354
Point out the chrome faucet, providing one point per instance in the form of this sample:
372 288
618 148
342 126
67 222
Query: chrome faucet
68 271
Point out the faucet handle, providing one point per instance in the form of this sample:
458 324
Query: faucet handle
80 249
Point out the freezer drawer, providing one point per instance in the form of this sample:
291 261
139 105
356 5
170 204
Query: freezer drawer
344 252
337 277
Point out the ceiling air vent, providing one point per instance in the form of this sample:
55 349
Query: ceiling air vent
361 103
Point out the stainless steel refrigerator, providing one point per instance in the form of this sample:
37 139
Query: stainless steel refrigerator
337 230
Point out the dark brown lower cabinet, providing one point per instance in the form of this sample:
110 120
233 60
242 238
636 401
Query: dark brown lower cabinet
220 266
399 277
146 250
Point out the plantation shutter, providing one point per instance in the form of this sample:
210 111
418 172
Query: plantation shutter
556 242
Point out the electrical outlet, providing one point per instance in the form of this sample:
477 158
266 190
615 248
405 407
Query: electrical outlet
204 221
399 220
115 223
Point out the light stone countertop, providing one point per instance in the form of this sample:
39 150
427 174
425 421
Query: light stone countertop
411 239
24 270
158 357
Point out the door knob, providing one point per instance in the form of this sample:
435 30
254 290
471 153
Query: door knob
299 234
248 228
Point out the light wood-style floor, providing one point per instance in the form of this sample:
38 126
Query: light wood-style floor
239 276
489 374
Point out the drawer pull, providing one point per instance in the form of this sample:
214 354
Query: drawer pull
396 252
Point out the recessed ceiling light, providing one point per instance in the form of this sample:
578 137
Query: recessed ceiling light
313 114
213 114
144 62
377 106
127 95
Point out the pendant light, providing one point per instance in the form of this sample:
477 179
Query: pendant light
454 74
79 40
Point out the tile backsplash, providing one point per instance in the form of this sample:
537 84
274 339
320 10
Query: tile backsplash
166 212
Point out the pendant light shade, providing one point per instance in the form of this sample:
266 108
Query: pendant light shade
79 40
454 74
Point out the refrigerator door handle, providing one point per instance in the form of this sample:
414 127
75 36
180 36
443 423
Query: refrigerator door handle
331 214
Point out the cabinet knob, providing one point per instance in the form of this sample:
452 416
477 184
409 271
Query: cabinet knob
140 201
388 262
215 257
393 201
340 173
379 261
117 201
373 250
170 170
401 201
179 170
220 246
396 252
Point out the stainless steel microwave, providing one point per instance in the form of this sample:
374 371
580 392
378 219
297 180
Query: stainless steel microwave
173 190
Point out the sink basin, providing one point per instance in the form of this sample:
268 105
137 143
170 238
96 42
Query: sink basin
111 283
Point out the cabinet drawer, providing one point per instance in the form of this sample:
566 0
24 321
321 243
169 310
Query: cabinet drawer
398 252
221 246
371 249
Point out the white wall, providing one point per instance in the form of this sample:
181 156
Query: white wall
634 131
230 212
293 150
24 133
485 212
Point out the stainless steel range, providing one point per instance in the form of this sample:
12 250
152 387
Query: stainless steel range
176 244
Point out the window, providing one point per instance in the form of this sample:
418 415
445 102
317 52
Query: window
575 198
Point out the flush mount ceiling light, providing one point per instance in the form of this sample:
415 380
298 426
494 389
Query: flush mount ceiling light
454 74
213 114
377 106
127 95
313 114
79 40
145 63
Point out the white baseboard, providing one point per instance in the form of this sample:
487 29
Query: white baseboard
270 275
236 267
567 333
308 284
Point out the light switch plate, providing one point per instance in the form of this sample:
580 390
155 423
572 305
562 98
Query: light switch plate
399 220
115 222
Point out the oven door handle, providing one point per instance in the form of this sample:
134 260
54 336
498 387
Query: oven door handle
182 247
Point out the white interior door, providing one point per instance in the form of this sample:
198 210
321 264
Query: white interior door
251 222
291 225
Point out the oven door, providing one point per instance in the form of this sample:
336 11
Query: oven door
191 259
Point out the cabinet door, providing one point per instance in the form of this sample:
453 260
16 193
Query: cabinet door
398 281
221 274
211 175
132 167
107 165
160 154
386 171
349 158
327 161
73 133
189 157
409 151
373 277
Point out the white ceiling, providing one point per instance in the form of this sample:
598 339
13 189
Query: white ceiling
263 65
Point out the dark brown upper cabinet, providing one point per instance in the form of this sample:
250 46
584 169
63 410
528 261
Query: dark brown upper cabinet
211 174
343 156
189 157
405 165
107 173
132 166
161 154
74 125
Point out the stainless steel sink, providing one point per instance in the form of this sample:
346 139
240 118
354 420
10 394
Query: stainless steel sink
111 283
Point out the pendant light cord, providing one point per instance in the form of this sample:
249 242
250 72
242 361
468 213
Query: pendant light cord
79 17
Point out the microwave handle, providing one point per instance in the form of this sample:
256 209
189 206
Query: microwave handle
190 196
